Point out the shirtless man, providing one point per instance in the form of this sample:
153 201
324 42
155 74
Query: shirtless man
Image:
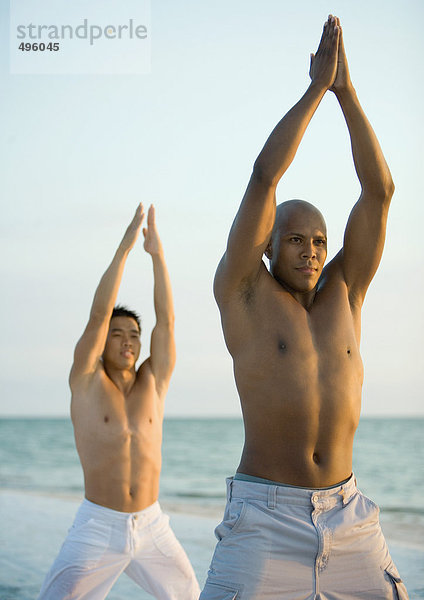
295 525
117 413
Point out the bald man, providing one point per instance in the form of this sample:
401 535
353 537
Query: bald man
295 525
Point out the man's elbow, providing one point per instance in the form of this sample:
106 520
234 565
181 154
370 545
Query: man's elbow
383 191
263 175
167 320
388 189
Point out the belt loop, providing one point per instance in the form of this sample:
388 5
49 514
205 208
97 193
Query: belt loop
229 488
346 495
272 496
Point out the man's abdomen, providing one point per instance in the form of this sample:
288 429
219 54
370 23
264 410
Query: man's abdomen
121 473
300 421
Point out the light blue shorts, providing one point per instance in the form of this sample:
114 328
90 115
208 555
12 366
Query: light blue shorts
281 542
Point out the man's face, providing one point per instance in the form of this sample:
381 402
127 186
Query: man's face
298 247
122 343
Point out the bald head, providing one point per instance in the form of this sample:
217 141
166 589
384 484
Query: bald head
299 237
298 209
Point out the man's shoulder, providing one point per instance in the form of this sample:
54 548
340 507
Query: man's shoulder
144 373
250 307
333 295
243 295
332 276
88 384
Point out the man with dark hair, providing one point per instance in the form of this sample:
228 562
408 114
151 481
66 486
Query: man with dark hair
295 526
123 311
117 413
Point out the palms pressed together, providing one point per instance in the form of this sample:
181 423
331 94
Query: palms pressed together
152 243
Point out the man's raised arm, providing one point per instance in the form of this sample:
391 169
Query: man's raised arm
366 227
91 345
252 227
162 343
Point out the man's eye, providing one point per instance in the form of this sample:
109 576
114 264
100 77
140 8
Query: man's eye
295 239
320 242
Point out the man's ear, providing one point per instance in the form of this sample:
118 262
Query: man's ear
268 250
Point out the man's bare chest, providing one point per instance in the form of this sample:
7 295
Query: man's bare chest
280 333
291 355
107 413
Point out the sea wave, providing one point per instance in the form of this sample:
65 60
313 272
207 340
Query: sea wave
406 510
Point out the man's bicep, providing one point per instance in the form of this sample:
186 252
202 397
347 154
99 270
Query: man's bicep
249 237
229 287
363 243
89 348
224 281
162 353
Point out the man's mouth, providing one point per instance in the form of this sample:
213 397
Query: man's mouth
127 354
307 270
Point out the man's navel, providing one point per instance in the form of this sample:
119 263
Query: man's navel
282 346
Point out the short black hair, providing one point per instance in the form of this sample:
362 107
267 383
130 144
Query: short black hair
123 311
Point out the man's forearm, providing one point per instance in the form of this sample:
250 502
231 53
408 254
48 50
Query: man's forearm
371 167
281 146
162 291
107 290
284 141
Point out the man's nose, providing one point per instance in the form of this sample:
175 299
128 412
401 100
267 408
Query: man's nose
308 250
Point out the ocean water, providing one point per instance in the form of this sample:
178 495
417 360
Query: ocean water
41 485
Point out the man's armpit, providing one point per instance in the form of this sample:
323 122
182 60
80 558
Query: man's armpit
247 291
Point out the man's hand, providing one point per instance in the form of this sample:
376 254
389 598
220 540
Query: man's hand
323 67
342 80
133 229
152 243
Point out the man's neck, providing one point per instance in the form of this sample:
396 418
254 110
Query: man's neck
124 379
305 299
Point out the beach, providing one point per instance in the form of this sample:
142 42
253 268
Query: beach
41 488
36 526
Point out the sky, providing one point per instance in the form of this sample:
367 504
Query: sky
78 152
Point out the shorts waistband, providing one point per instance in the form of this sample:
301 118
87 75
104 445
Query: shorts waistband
92 510
273 492
243 477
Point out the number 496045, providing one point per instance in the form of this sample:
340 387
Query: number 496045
35 47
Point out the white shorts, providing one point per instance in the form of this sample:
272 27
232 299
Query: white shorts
102 543
281 542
